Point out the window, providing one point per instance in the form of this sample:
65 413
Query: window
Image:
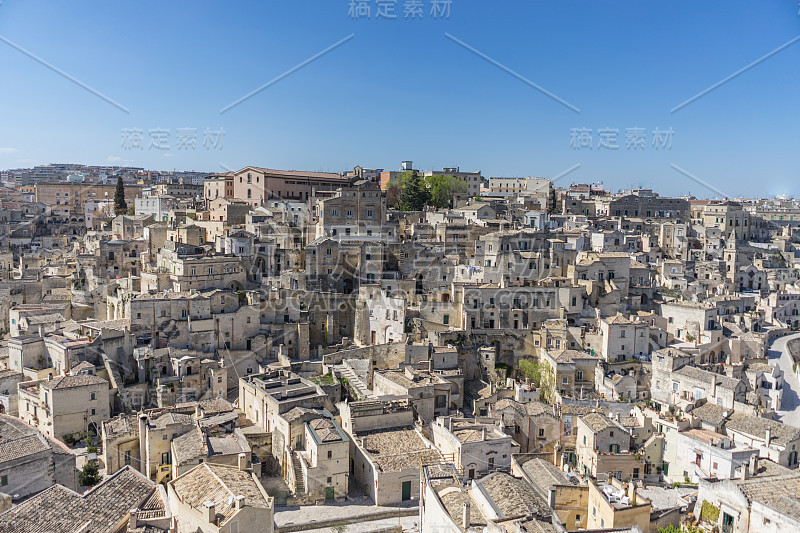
3 481
330 456
92 411
92 396
541 432
446 319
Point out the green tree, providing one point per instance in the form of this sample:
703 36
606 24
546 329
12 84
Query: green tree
442 189
531 370
120 205
90 475
672 528
414 194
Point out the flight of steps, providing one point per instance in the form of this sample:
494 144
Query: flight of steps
298 474
361 390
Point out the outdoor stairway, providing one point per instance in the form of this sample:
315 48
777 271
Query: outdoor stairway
355 382
298 474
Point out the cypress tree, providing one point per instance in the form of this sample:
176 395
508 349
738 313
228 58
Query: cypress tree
120 205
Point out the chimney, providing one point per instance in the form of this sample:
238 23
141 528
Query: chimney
768 437
198 412
754 464
143 451
239 502
632 493
211 512
133 518
483 433
243 462
745 471
465 516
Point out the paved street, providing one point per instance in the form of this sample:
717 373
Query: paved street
358 514
779 355
410 524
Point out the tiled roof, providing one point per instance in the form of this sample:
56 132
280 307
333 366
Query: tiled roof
395 449
122 425
189 447
597 421
618 319
454 499
513 497
325 430
711 413
21 447
779 493
169 418
780 434
69 382
60 510
216 406
544 475
220 484
569 356
705 376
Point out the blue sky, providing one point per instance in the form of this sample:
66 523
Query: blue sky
401 89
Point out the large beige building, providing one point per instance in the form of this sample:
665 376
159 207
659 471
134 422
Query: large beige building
256 185
65 405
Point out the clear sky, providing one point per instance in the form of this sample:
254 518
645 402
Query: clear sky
431 90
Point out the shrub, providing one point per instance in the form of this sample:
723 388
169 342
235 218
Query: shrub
709 512
90 475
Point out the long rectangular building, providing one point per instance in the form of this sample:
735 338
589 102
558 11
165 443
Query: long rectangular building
256 185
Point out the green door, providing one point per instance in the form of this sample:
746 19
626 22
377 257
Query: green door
328 493
406 490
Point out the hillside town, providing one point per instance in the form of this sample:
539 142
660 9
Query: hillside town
404 350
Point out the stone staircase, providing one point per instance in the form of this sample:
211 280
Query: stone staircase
298 474
356 384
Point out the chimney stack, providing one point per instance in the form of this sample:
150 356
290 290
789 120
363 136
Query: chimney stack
753 464
632 493
211 512
239 502
243 462
133 518
143 451
465 516
768 437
